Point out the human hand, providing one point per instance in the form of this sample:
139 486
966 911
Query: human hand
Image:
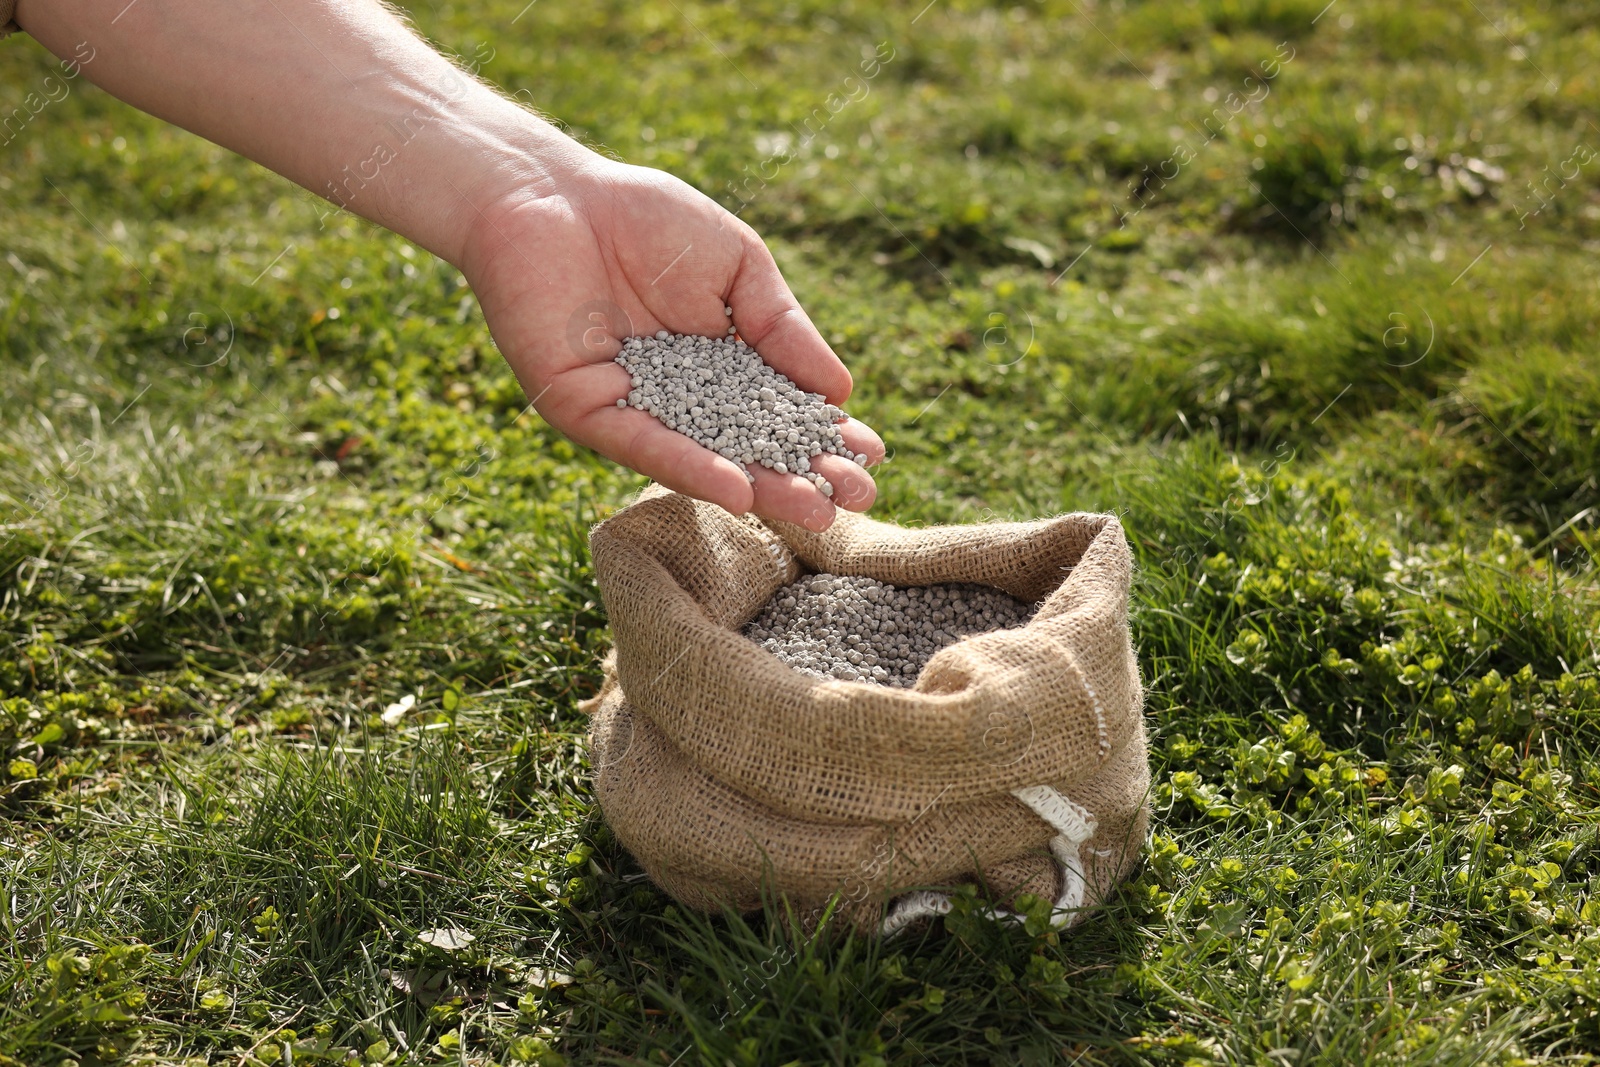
548 233
611 251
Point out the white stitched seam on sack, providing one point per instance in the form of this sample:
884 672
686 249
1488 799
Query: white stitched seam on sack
777 558
776 548
911 907
1099 716
1073 824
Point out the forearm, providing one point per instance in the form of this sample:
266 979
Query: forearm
336 95
568 252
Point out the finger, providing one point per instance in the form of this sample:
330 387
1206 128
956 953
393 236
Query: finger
686 297
791 498
853 488
771 321
863 440
637 440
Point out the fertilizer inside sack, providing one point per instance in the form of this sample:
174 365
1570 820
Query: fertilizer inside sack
864 630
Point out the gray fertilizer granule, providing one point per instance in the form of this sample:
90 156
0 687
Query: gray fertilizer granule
863 630
719 392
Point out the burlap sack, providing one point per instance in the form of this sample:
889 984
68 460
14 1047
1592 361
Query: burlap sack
1018 759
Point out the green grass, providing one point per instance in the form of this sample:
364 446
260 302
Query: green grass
1334 363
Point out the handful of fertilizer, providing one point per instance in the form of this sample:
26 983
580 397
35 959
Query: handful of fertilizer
720 393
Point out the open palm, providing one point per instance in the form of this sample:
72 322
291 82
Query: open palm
625 251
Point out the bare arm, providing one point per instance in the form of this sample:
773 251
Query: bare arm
342 98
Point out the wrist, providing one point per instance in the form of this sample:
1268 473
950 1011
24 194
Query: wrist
533 173
447 156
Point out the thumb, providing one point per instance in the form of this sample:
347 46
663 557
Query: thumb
770 320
